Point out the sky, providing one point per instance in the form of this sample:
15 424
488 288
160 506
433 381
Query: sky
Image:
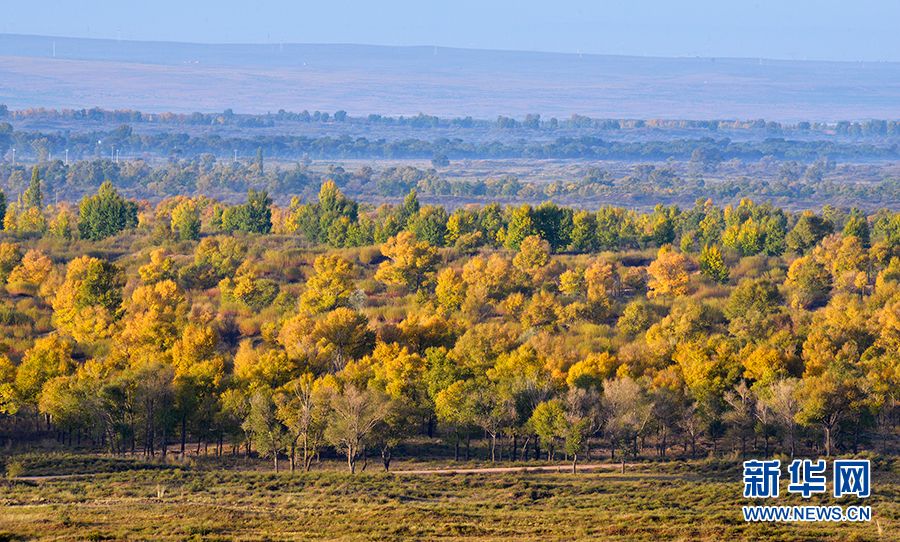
863 30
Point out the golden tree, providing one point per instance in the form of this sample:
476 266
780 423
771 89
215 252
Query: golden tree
668 274
411 262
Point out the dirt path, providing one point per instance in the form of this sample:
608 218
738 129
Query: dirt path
498 470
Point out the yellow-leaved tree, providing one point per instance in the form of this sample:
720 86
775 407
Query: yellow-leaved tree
156 315
668 274
49 358
32 272
330 287
89 302
159 269
411 263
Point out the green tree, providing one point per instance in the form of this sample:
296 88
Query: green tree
811 282
521 225
106 214
33 197
712 265
264 424
809 230
303 408
259 213
549 422
186 220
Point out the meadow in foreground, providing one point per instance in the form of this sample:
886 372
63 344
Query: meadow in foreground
665 501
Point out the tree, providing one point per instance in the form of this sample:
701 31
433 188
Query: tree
64 225
825 400
521 225
159 269
712 264
106 214
780 398
742 416
411 263
259 214
89 301
330 287
811 282
549 422
264 424
354 413
440 160
3 204
10 258
347 334
186 220
304 408
429 224
248 288
668 274
533 253
34 269
156 315
33 197
49 358
809 230
450 290
255 216
627 410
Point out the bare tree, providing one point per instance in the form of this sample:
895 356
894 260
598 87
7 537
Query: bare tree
628 409
779 396
742 416
353 415
691 424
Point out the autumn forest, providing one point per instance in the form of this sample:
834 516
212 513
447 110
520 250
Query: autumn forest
516 332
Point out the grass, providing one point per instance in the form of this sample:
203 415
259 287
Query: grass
679 502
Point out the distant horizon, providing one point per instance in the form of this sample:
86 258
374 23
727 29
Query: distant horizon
57 72
438 47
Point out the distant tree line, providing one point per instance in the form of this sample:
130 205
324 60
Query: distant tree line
790 183
531 121
42 146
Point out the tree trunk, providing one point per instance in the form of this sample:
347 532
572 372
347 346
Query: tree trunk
183 432
456 447
574 463
386 458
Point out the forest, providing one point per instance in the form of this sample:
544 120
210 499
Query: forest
332 328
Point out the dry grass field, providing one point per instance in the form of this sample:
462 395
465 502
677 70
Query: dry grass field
676 501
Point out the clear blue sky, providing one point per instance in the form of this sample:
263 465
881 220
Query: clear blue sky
779 29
